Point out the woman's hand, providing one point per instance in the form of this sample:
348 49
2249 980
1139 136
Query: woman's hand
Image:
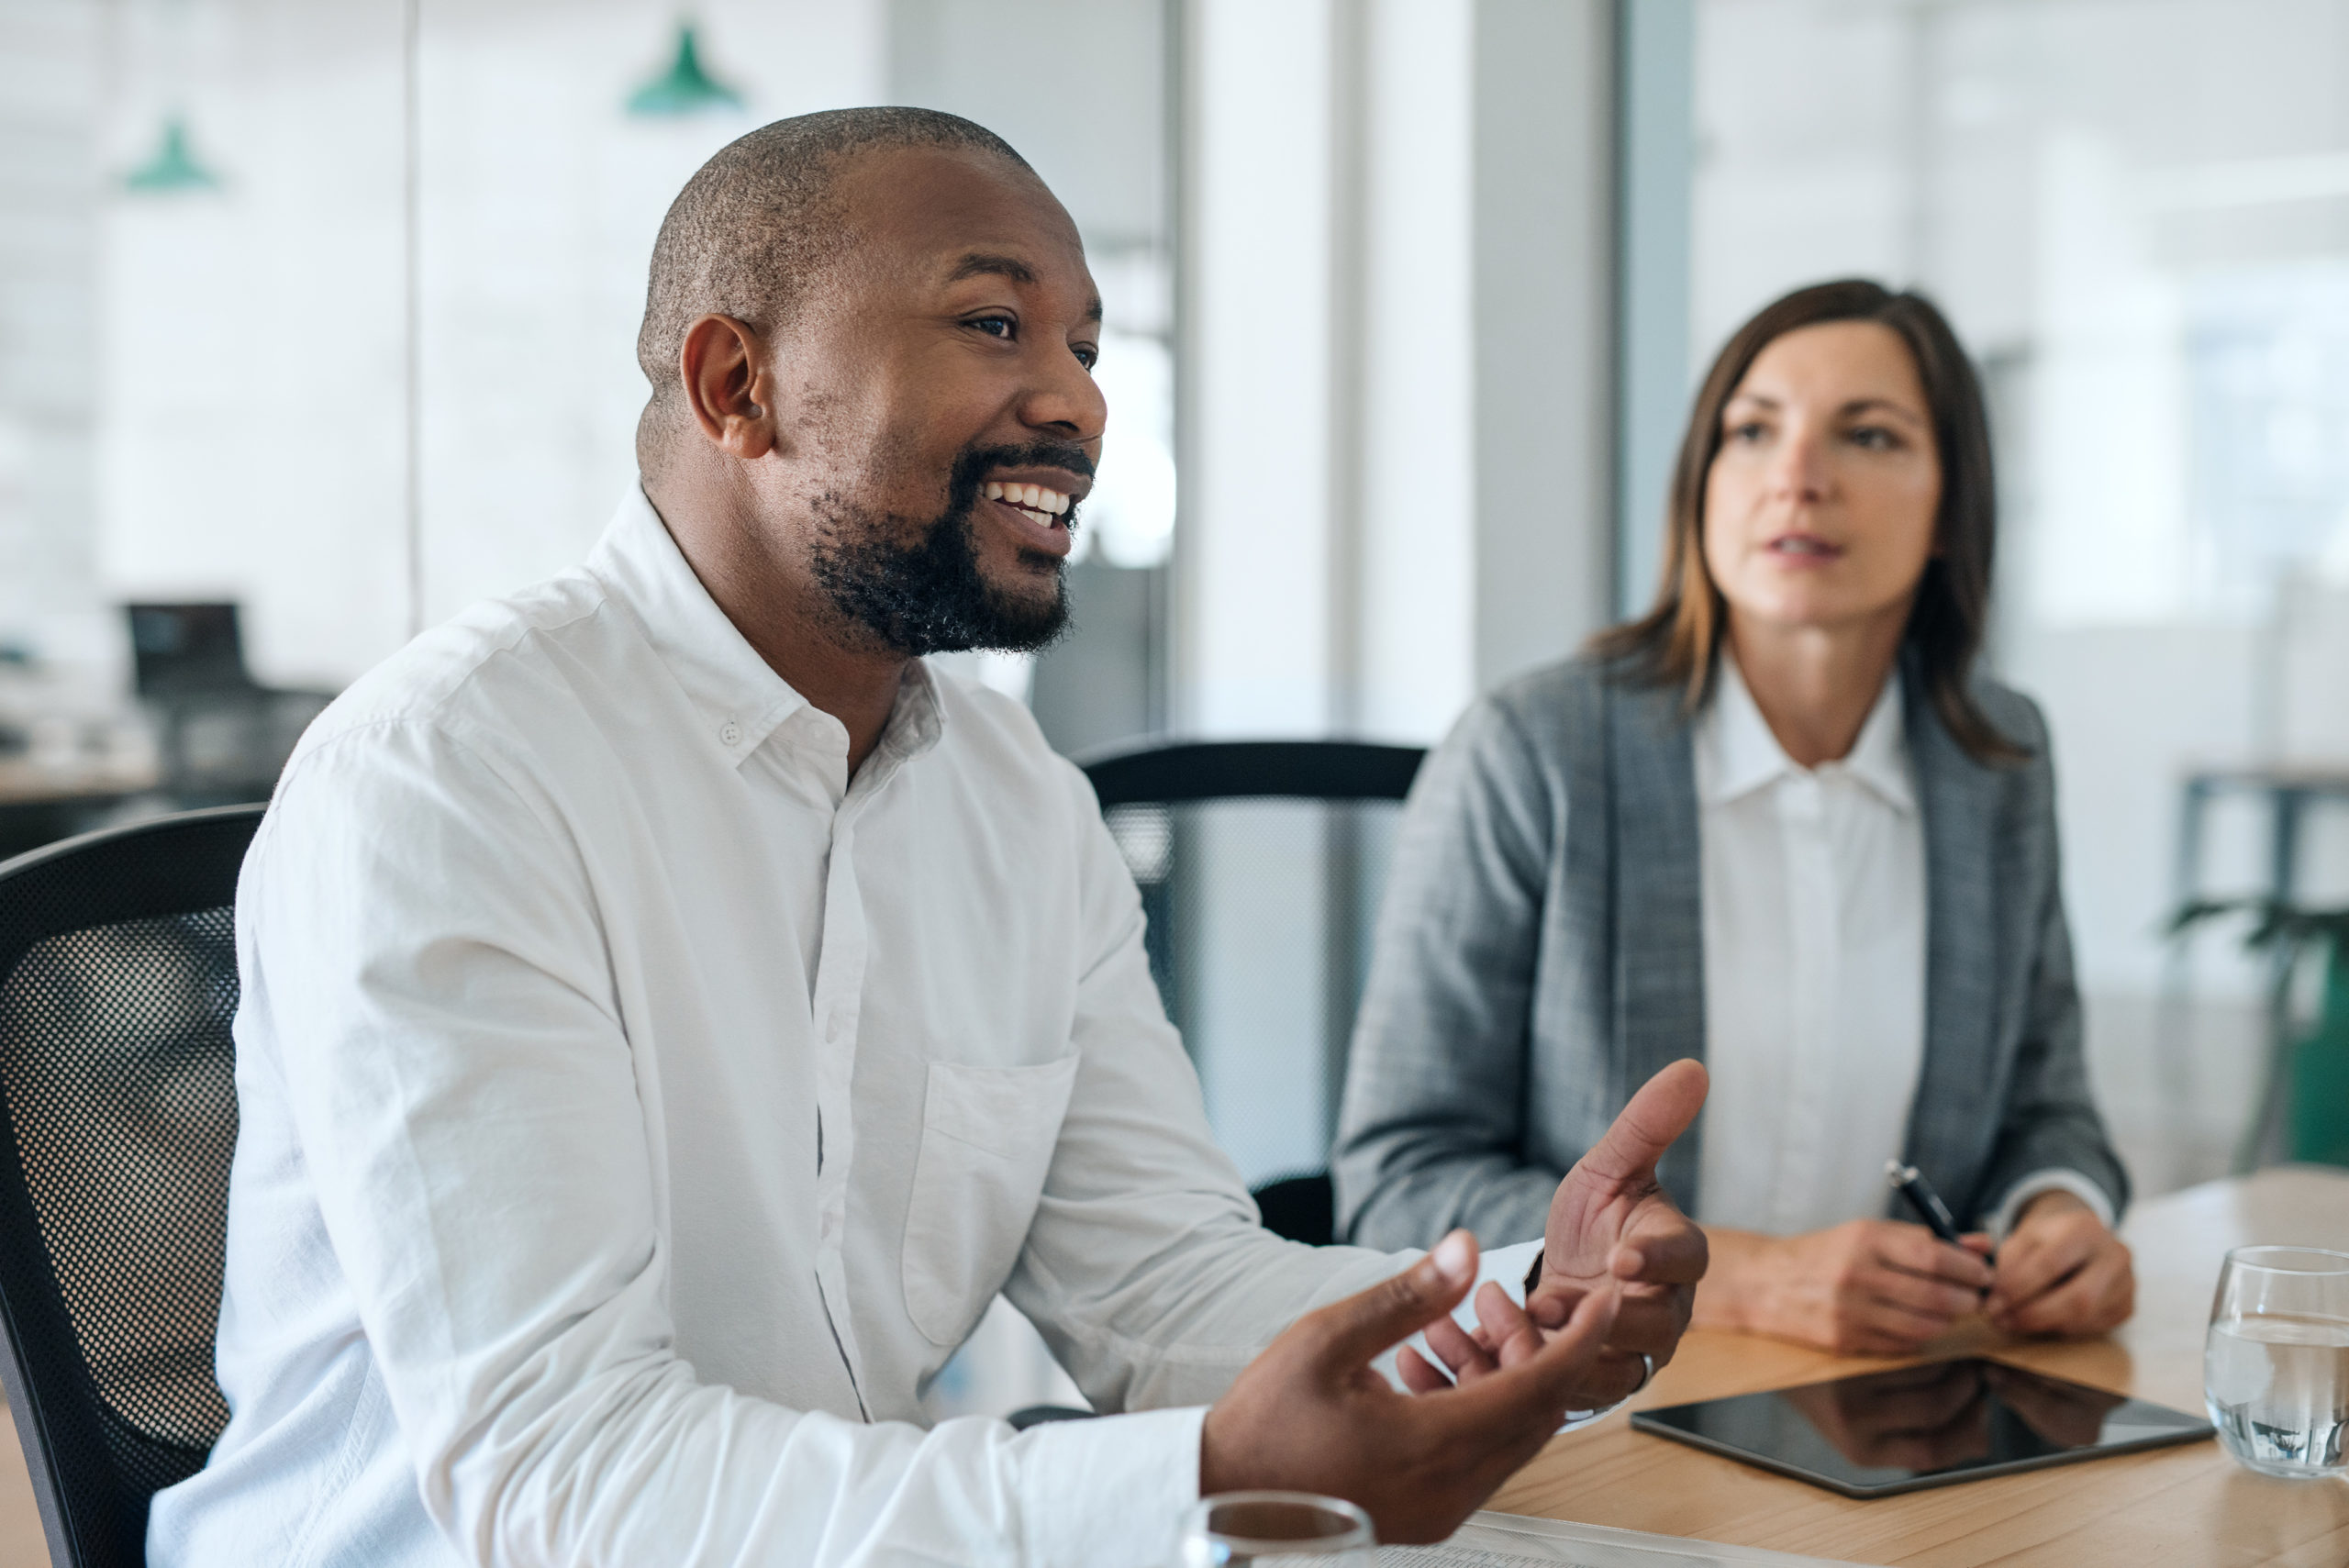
1869 1287
2061 1272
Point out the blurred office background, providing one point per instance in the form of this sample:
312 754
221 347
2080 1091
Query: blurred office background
316 322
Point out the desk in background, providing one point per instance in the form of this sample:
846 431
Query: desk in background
2187 1506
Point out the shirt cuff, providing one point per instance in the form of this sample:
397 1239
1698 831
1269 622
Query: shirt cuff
2051 1180
1505 1266
1110 1492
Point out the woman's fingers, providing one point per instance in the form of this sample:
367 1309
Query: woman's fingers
2097 1297
1929 1298
1915 1249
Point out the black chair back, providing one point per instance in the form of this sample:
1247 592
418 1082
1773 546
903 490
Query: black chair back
1261 863
118 1121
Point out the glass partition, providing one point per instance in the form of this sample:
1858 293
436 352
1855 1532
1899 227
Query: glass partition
2137 215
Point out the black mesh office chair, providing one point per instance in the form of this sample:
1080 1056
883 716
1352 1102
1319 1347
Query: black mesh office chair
118 1105
1261 863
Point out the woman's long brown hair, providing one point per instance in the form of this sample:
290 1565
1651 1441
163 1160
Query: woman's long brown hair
1677 641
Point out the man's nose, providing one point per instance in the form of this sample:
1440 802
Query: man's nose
1064 399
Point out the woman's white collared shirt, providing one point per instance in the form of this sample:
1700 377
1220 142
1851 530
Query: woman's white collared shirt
1815 908
1814 930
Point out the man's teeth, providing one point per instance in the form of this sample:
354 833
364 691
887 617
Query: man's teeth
1034 499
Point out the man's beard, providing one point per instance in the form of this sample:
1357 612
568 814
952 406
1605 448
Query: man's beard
930 596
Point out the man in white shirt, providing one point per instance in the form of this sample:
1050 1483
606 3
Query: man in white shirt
673 1014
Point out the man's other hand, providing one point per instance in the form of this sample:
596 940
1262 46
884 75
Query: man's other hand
1310 1415
1611 1226
2061 1272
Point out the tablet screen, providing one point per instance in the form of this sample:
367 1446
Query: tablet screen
1921 1426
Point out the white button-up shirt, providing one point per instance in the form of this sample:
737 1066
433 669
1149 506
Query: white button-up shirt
638 1111
1814 897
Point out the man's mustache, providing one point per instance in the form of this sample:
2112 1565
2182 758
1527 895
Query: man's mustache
971 468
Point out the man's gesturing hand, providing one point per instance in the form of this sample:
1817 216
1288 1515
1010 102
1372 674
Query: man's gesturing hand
1310 1415
1611 1225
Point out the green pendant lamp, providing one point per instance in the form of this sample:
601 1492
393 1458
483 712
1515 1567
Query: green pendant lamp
685 88
172 167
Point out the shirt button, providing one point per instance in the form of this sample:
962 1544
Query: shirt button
730 733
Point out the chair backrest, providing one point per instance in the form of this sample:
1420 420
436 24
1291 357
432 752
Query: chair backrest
186 650
1261 864
118 1121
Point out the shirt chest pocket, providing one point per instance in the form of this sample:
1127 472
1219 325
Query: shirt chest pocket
987 1141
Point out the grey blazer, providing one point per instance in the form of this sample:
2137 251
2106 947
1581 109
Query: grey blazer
1540 955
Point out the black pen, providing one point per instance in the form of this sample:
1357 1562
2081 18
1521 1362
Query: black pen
1910 1183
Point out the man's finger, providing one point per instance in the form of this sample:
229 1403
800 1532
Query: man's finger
1507 1328
1663 1109
1461 1354
1519 1399
1348 1333
1417 1374
1666 1249
1613 1378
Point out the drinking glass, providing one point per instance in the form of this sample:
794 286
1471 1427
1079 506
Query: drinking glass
2276 1366
1271 1530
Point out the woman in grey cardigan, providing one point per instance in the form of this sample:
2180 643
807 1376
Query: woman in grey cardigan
1778 824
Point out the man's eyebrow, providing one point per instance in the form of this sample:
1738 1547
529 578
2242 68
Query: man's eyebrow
980 265
984 264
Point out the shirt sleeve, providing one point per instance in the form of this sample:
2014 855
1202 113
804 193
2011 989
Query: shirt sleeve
2002 1219
1145 1269
428 984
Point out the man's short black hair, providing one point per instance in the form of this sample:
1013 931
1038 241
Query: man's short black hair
759 222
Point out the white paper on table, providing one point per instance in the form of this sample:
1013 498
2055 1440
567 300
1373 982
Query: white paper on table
1512 1540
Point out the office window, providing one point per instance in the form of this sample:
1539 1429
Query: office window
2137 215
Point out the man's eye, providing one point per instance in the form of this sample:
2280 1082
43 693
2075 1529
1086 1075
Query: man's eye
995 326
1087 356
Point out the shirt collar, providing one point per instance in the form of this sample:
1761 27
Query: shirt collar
737 693
1740 754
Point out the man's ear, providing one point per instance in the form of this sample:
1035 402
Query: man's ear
724 369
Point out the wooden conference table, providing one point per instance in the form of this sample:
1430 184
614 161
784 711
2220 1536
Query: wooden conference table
2189 1505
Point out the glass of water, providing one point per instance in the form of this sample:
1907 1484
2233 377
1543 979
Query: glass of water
2276 1366
1269 1529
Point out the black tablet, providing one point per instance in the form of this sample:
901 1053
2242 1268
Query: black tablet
1921 1426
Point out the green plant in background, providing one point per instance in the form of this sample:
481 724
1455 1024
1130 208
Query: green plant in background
2311 1075
172 167
685 88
